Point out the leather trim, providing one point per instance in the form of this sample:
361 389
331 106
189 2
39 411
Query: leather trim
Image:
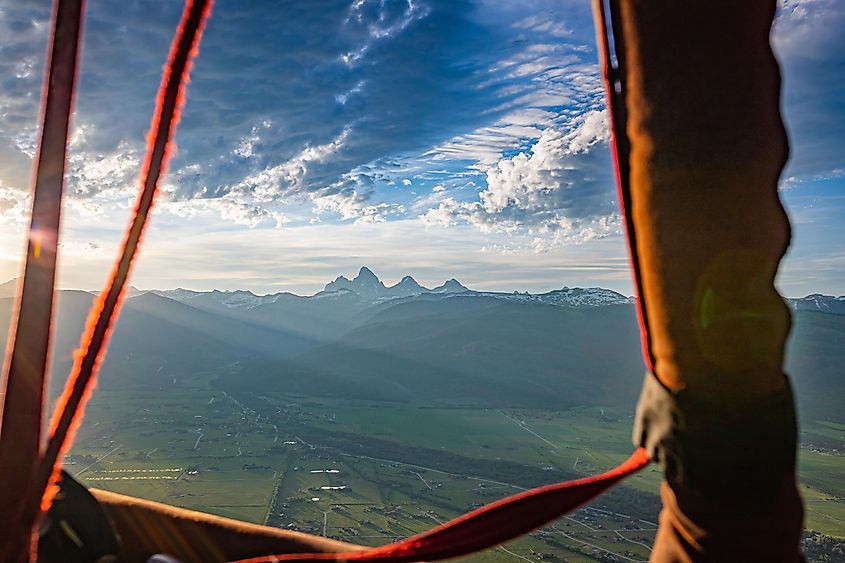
716 443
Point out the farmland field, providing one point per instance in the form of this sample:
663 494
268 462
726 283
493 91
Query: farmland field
372 472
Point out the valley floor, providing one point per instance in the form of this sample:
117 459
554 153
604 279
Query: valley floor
373 473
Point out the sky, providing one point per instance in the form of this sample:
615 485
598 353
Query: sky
440 139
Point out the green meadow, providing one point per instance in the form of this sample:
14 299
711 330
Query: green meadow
373 473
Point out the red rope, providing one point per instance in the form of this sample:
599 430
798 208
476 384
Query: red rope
487 526
92 348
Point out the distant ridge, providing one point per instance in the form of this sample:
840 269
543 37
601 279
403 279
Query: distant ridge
369 289
818 302
405 342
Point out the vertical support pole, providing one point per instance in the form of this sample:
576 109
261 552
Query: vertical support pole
698 87
20 440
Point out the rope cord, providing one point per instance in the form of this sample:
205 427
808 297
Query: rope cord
70 408
487 526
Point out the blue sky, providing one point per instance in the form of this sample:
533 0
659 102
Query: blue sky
434 138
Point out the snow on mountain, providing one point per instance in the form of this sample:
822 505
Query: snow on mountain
566 297
238 299
367 285
369 289
241 299
407 287
588 297
332 294
178 294
818 302
451 286
341 282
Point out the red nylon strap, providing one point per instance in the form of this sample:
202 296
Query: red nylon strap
170 99
487 526
28 356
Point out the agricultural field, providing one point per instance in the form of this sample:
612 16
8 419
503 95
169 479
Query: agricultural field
373 473
821 470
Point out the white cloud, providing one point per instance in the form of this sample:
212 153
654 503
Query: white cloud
349 197
354 205
808 28
541 24
14 206
227 208
381 21
555 193
344 97
549 76
109 174
287 178
246 147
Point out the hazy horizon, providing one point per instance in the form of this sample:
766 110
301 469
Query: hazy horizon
429 283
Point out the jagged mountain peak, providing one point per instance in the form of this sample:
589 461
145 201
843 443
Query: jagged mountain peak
450 286
409 283
365 274
340 282
407 287
365 281
368 285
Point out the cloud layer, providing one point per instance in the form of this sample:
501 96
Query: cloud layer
479 116
299 113
558 191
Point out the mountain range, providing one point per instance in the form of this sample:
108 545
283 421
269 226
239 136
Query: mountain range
368 289
449 345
